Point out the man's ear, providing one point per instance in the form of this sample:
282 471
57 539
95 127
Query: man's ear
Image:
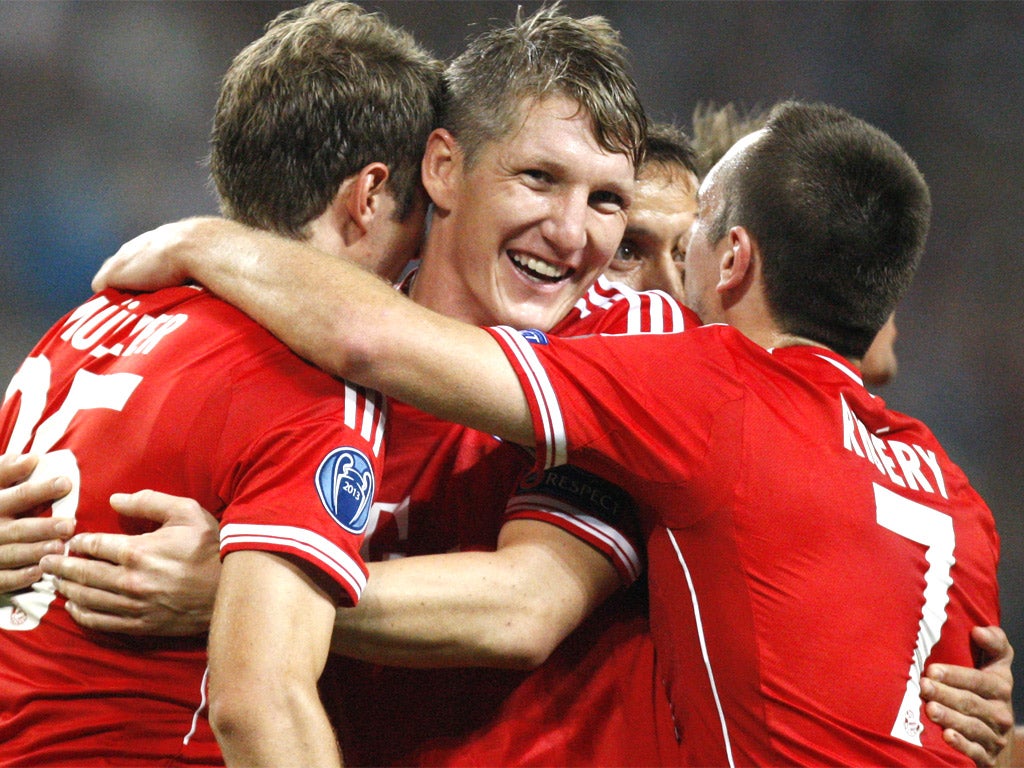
441 168
736 265
361 196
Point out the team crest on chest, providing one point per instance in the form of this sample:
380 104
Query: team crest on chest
344 482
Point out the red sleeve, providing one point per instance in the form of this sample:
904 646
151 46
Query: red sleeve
304 487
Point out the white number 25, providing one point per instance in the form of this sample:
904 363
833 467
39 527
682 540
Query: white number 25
23 610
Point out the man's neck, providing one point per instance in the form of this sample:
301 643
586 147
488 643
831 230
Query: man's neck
780 340
768 335
438 287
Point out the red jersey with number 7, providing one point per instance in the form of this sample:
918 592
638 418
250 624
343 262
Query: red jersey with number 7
809 550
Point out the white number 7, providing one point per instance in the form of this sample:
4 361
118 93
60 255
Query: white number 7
23 610
935 530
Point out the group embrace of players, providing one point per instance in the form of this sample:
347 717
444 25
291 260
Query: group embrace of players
676 529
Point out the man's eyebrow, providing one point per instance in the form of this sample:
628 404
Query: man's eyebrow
637 230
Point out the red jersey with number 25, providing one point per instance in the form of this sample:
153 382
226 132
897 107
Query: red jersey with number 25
178 392
809 549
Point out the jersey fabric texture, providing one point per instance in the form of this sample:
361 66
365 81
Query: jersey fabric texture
809 550
448 488
178 392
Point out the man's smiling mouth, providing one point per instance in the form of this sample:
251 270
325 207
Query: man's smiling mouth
539 269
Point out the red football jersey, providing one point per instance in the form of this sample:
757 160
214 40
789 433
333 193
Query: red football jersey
178 392
809 550
449 488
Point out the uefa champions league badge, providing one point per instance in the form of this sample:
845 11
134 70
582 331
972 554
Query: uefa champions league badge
344 482
534 336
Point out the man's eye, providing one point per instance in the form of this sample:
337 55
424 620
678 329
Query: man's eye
607 202
537 175
679 256
627 251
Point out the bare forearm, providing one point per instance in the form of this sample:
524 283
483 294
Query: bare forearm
355 326
268 642
281 725
457 614
277 281
508 608
335 314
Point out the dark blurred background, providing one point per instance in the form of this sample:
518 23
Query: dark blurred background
105 109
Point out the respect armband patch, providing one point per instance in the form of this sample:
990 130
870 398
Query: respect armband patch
584 492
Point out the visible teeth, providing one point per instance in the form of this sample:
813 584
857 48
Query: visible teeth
538 266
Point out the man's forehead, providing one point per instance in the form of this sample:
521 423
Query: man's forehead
669 175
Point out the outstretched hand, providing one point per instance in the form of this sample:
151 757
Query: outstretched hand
25 540
157 583
974 705
148 262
